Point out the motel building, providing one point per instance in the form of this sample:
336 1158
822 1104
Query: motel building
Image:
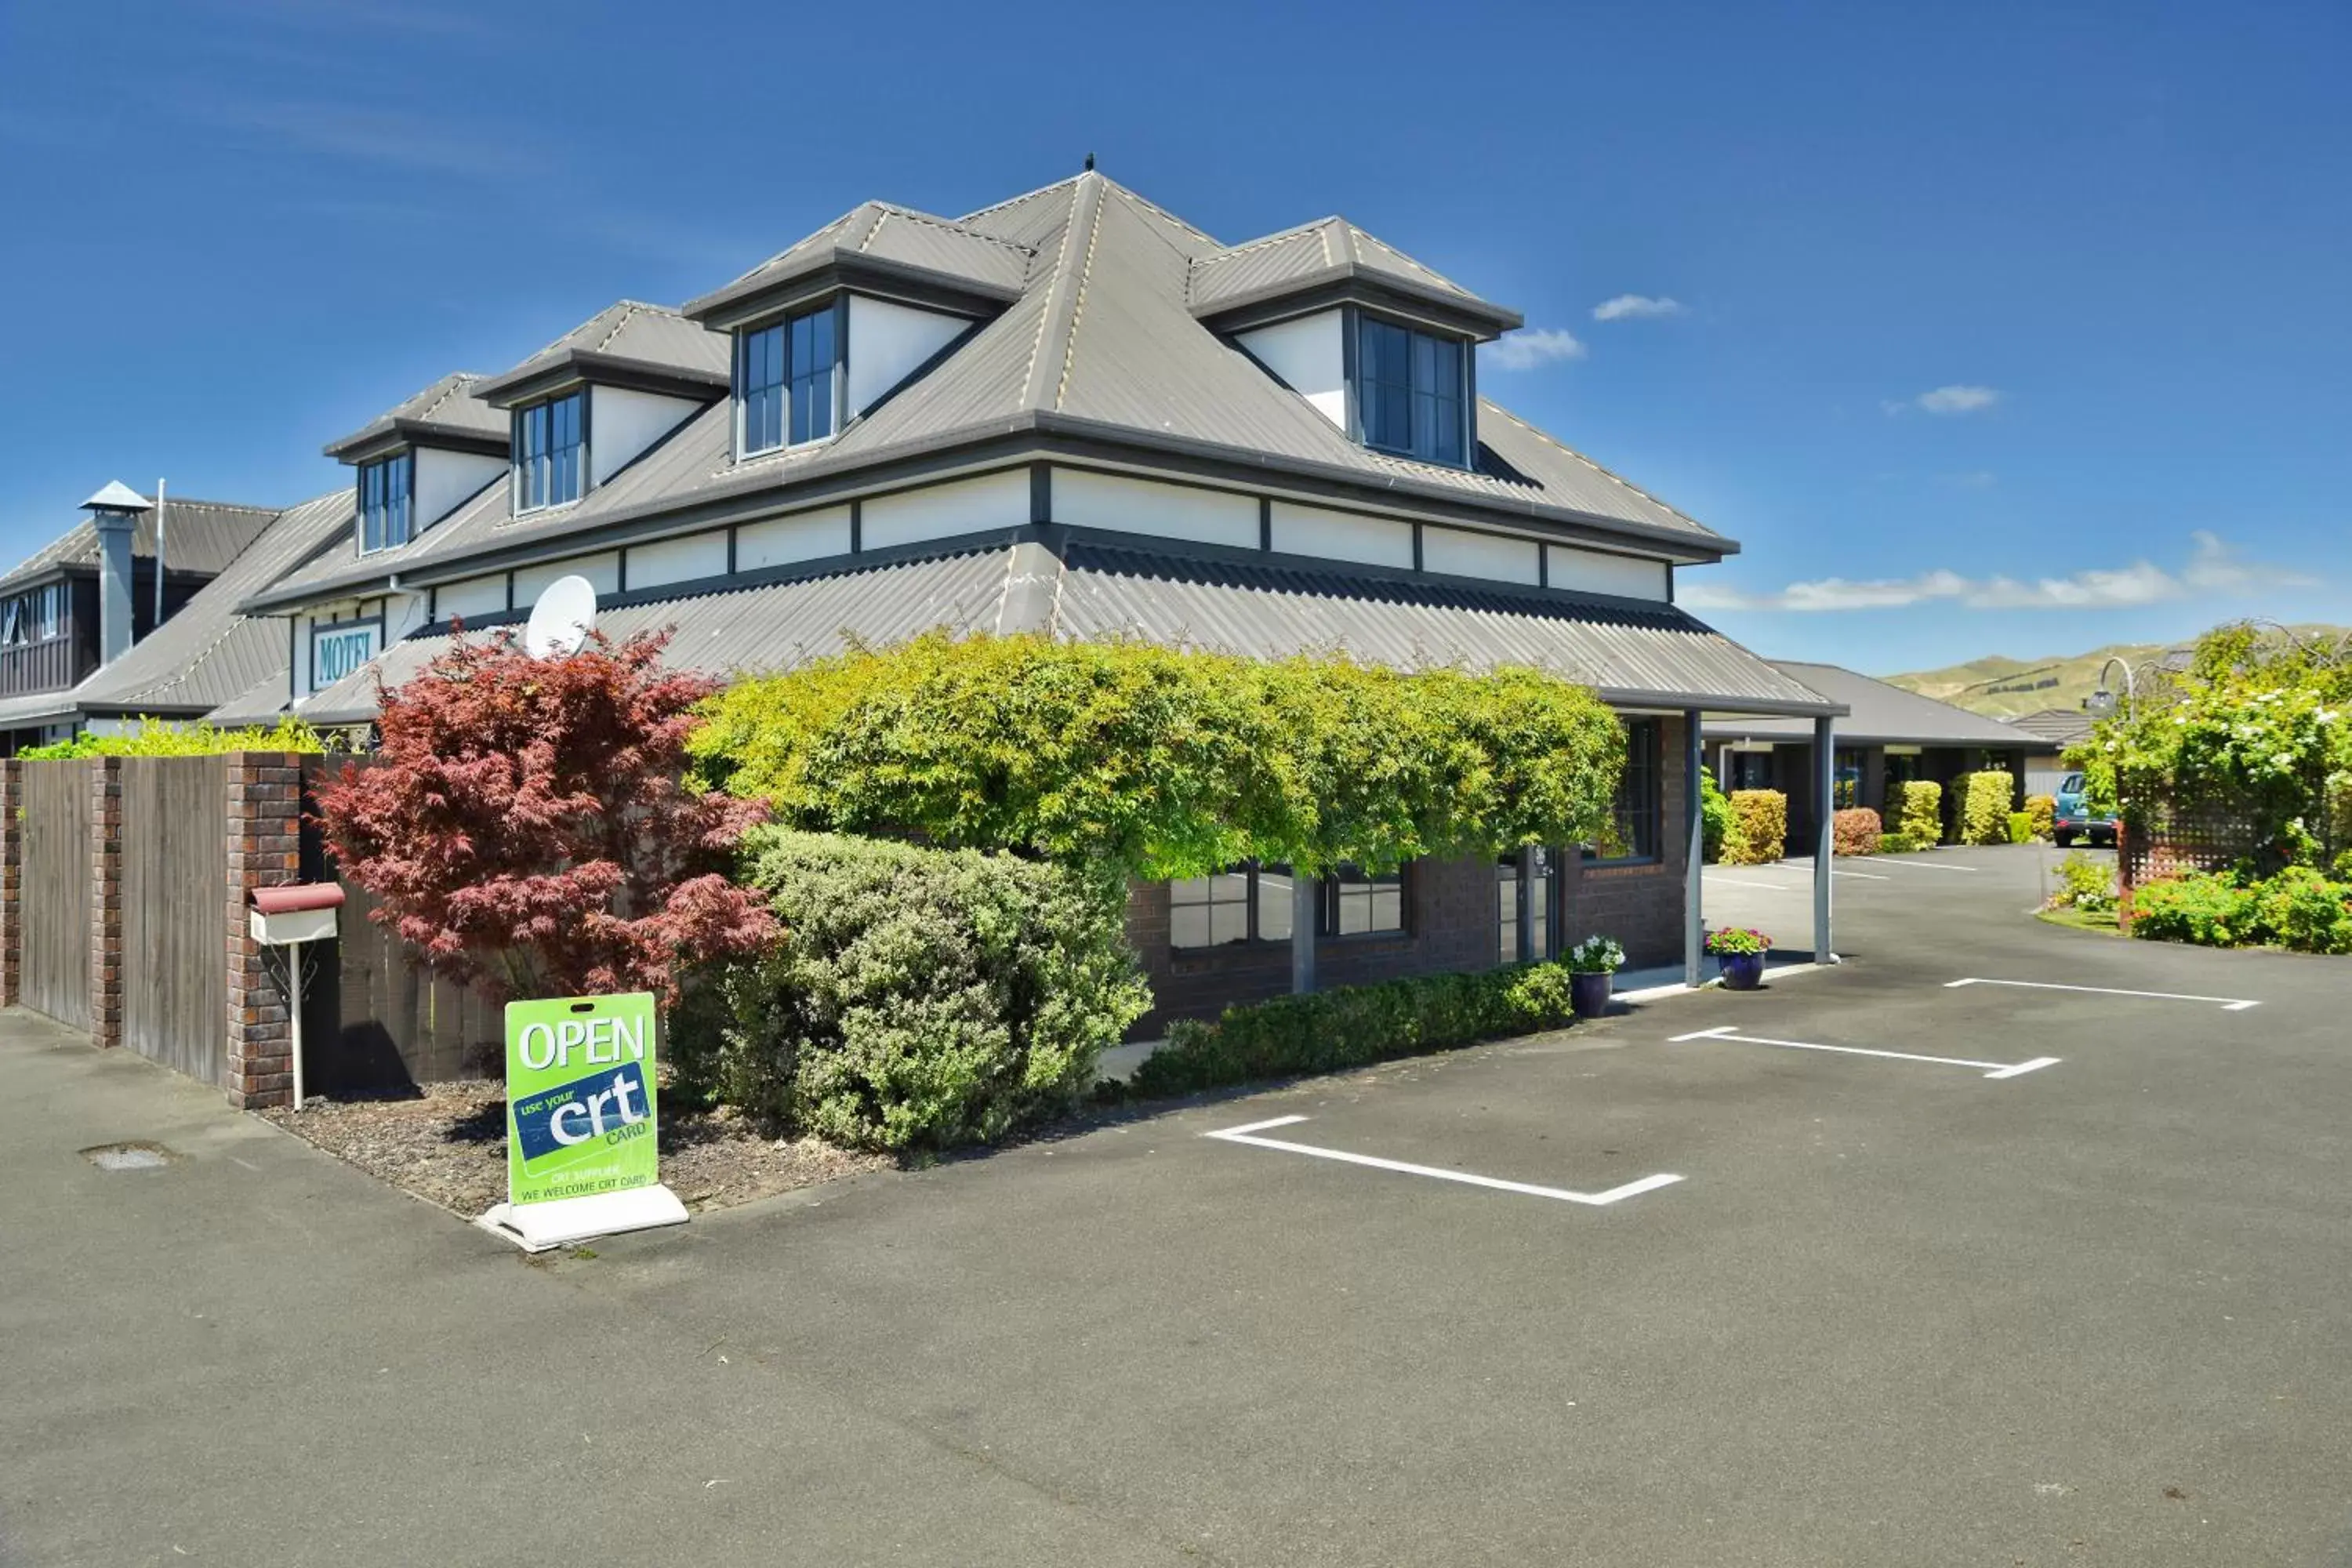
1074 413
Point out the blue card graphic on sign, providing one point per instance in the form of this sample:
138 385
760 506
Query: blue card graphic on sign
591 1110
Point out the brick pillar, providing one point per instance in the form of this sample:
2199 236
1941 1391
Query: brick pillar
264 828
105 900
12 874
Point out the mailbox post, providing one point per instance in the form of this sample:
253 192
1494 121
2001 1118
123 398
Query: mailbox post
288 917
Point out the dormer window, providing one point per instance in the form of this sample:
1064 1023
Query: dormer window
1412 392
385 513
788 381
550 440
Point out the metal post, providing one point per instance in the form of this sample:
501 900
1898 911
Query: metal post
1694 851
1304 918
294 1017
1824 808
1526 911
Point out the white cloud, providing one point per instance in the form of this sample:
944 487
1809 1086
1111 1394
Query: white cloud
1636 307
2212 571
1527 349
1955 399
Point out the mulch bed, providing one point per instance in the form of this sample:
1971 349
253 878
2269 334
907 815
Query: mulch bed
447 1145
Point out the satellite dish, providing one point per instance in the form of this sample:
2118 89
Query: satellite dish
560 619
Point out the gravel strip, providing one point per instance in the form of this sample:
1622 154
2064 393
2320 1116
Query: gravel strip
447 1145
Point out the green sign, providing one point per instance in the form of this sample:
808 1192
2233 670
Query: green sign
580 1096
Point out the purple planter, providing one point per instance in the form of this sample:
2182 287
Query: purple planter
1589 993
1742 971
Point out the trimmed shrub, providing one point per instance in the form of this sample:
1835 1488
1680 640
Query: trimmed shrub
2207 908
2021 827
920 997
1914 808
1355 1026
1715 815
1759 828
2084 883
2302 910
1898 844
1855 831
2043 810
1984 806
154 738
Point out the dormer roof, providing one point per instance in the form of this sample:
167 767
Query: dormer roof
646 348
881 249
446 413
1325 262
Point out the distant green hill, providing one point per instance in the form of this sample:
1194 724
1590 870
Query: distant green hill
2001 687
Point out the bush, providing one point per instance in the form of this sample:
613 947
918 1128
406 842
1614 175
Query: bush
2085 884
1984 806
2302 910
920 997
1760 826
2210 909
2044 811
1914 808
1898 844
1715 815
154 738
1855 831
2021 827
1350 1028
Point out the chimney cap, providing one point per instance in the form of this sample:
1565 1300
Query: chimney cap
118 497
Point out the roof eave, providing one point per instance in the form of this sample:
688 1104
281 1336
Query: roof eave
387 437
574 367
824 273
1352 283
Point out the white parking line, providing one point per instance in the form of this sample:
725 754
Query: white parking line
1248 1135
1715 881
1914 865
2227 1004
1995 1069
1866 876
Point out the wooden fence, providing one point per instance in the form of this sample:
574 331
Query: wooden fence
53 908
175 900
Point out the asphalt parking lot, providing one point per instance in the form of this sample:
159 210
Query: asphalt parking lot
1898 1306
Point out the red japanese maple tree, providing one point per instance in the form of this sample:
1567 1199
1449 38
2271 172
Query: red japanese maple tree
524 826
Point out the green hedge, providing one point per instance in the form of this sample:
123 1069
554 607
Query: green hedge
2021 827
2044 811
1915 810
1715 816
1355 1026
1759 828
2298 908
919 997
1900 843
1984 806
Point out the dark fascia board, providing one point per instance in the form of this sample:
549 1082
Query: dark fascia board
1732 731
386 437
763 493
1350 283
574 367
829 272
1824 708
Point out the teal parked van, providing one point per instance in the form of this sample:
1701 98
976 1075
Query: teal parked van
2074 818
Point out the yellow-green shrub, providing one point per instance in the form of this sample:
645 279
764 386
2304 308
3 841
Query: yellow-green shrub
1915 810
1984 806
1759 828
2043 809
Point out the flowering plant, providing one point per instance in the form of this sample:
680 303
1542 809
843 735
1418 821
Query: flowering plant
1596 955
1736 940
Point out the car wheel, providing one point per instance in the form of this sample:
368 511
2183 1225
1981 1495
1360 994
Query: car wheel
2065 839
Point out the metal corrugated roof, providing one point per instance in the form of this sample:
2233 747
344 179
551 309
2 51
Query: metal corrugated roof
885 233
1327 247
630 330
198 536
1876 712
748 630
1633 654
449 405
2059 726
1101 346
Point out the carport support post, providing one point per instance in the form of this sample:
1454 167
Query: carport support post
1694 851
1303 921
1824 839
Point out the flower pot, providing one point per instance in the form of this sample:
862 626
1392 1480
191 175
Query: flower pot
1589 993
1742 971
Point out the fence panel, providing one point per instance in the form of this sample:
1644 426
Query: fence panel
174 900
378 1018
54 891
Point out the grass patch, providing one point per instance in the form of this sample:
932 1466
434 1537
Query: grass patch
2103 921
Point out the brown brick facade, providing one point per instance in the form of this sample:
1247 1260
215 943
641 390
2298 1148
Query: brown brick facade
1453 922
105 900
12 882
264 828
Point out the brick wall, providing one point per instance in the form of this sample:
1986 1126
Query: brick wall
105 900
12 881
1640 906
264 828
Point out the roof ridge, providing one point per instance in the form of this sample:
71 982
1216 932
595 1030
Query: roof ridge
1031 394
628 309
1610 475
1227 252
952 226
1139 197
1357 232
1016 201
456 382
1078 305
1121 190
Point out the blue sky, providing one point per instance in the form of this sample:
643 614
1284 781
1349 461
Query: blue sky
2024 328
